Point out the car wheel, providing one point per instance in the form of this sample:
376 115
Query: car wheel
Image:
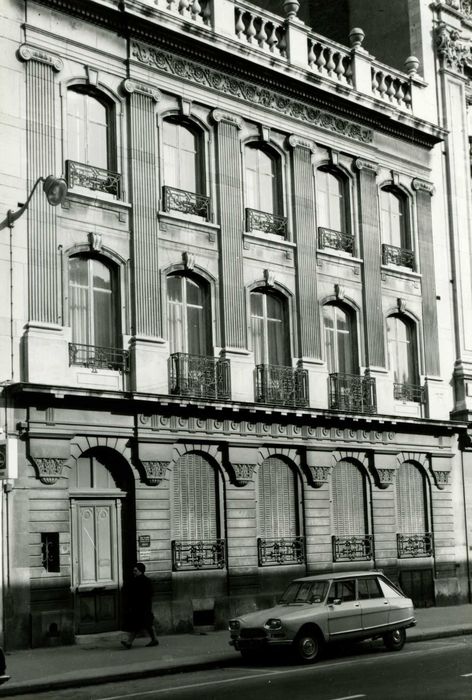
395 640
308 646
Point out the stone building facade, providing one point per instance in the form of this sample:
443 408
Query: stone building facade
228 353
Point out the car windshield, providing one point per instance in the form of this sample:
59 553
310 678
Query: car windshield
305 592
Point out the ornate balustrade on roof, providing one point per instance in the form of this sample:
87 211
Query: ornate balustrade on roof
293 44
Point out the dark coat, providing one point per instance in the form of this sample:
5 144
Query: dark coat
139 596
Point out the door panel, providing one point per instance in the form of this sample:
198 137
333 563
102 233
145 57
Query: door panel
344 618
97 563
374 605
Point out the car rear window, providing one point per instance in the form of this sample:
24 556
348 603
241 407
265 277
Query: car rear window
305 592
369 588
388 590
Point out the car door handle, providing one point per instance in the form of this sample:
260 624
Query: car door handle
385 602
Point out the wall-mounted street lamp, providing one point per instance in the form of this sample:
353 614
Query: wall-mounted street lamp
55 189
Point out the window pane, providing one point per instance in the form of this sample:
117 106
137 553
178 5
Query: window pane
257 328
348 492
411 502
103 312
401 350
78 300
276 343
257 304
392 219
196 329
76 126
182 157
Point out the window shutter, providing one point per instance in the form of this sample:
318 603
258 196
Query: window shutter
195 514
411 506
277 500
349 500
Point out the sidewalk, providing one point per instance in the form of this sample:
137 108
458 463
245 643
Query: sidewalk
105 660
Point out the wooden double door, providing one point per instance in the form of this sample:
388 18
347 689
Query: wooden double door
97 563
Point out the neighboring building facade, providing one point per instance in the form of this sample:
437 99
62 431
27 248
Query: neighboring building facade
228 354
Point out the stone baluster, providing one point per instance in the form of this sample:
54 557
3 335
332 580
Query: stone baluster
250 29
41 159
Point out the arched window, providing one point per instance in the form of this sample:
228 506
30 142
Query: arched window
195 515
269 326
349 511
340 339
183 156
411 500
402 350
93 302
394 224
278 521
188 316
263 182
331 201
90 133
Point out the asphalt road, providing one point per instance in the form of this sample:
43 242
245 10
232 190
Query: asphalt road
436 670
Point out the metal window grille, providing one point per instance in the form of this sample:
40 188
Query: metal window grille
267 223
186 202
409 392
93 178
282 551
198 554
328 238
199 377
97 357
352 393
281 386
392 255
353 547
411 546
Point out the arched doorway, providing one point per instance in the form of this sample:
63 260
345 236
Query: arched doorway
102 530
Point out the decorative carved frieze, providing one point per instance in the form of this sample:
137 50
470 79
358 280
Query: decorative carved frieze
49 468
422 185
33 53
386 477
296 141
441 478
250 93
131 86
220 116
453 54
243 473
155 471
363 164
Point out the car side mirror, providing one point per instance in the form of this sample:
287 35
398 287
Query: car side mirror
336 601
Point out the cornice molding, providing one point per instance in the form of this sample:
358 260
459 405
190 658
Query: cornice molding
226 117
132 86
237 88
26 52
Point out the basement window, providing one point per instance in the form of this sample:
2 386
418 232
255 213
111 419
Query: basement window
50 551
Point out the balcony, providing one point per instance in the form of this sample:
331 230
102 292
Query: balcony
93 178
415 545
186 202
96 357
403 257
281 386
191 555
327 238
352 393
290 550
266 223
353 548
409 392
196 376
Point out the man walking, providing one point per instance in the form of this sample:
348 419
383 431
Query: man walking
140 607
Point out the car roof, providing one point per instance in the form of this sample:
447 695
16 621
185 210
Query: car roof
339 575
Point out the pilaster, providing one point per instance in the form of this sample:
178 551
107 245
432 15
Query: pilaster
370 245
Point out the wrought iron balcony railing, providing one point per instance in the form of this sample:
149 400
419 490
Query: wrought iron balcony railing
403 257
412 546
96 357
186 202
409 392
265 222
353 547
327 238
198 554
288 550
199 377
281 386
93 178
352 393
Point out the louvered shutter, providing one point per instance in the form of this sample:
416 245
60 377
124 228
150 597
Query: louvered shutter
349 500
277 507
195 511
411 506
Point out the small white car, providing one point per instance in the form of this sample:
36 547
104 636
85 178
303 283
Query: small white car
315 610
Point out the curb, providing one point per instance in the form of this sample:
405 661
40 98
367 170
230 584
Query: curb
227 661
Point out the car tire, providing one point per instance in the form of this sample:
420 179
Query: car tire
395 639
248 656
308 646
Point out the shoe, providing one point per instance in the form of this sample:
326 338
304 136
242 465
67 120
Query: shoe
126 645
153 643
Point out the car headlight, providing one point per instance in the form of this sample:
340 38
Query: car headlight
273 624
234 625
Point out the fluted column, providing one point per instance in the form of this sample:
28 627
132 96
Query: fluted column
424 191
41 162
229 182
309 338
370 246
145 200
